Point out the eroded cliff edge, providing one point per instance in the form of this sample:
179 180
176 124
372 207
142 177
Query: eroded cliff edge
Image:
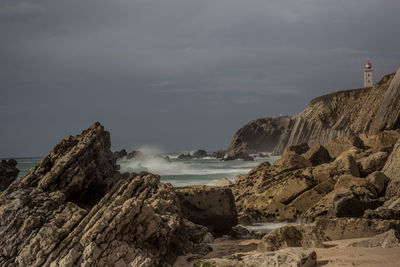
326 118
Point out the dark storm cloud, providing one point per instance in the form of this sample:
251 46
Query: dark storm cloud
176 73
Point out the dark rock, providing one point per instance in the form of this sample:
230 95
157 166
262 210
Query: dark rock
382 213
218 154
8 173
353 204
135 154
120 154
298 149
241 155
185 156
213 207
317 155
200 154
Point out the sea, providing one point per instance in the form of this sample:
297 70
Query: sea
178 172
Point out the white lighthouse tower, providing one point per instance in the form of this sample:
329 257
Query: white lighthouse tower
368 81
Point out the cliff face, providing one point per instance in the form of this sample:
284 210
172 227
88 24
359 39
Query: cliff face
328 117
259 135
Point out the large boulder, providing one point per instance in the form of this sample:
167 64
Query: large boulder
8 173
317 155
291 236
379 180
210 206
338 146
392 171
75 209
292 160
289 257
374 162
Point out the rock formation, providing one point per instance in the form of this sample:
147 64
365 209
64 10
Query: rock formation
326 118
76 209
210 206
8 173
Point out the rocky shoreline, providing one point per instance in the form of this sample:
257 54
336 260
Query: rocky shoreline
75 208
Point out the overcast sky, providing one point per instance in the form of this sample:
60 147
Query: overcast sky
178 74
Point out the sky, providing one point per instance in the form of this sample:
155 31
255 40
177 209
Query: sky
178 75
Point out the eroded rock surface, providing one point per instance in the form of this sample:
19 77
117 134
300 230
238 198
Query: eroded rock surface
76 209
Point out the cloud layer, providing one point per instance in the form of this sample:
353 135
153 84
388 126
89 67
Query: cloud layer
179 74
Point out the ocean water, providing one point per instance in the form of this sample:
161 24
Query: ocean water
178 172
182 172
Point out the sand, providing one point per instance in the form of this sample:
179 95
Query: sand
336 253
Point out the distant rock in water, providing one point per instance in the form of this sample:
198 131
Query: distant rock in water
8 173
75 209
326 118
120 154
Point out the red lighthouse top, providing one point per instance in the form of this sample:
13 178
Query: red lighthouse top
368 65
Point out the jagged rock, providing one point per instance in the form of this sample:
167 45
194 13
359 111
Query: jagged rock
8 173
219 154
353 204
389 239
392 171
199 153
292 160
289 257
317 155
210 206
379 180
383 213
291 236
120 154
223 182
75 209
346 228
259 135
135 154
388 115
374 162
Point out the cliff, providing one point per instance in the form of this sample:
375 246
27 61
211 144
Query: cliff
326 118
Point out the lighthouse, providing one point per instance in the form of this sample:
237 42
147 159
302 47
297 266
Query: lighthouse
368 81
